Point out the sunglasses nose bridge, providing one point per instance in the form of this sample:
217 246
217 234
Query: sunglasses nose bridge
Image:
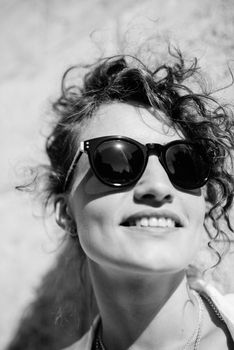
154 148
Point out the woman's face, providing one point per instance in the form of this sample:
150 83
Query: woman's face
168 224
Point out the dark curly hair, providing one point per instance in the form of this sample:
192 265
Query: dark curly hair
127 79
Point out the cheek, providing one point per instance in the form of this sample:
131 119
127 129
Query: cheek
196 208
95 222
94 208
88 229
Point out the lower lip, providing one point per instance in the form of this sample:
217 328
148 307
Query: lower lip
151 230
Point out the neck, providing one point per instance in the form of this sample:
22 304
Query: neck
143 308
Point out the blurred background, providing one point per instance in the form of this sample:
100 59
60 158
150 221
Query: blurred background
39 40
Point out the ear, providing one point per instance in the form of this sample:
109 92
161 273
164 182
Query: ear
62 213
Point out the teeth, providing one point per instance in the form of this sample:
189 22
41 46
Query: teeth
154 222
170 222
144 222
162 222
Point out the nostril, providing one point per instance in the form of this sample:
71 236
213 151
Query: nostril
153 198
168 198
148 196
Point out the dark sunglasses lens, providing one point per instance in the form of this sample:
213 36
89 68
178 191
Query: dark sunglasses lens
118 162
188 168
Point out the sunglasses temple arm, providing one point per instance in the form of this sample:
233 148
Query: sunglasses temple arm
73 165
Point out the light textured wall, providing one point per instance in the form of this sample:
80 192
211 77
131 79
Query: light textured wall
38 41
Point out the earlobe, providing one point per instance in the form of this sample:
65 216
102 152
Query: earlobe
62 214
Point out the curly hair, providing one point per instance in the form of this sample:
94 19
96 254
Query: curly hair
166 87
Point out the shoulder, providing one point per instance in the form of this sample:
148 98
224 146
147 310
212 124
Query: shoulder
223 305
85 343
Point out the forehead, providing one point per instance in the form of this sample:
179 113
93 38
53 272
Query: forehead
131 121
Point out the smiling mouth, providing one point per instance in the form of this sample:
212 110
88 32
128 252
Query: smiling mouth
162 222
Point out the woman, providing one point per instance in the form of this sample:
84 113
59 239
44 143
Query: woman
140 172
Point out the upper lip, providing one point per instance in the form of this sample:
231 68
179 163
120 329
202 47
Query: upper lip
179 219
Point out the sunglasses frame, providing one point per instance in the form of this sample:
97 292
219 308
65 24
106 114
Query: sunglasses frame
89 147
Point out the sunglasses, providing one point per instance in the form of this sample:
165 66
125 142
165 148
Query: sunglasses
119 161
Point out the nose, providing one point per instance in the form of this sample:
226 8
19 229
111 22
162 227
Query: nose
154 187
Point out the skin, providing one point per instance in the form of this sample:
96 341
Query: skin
138 274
